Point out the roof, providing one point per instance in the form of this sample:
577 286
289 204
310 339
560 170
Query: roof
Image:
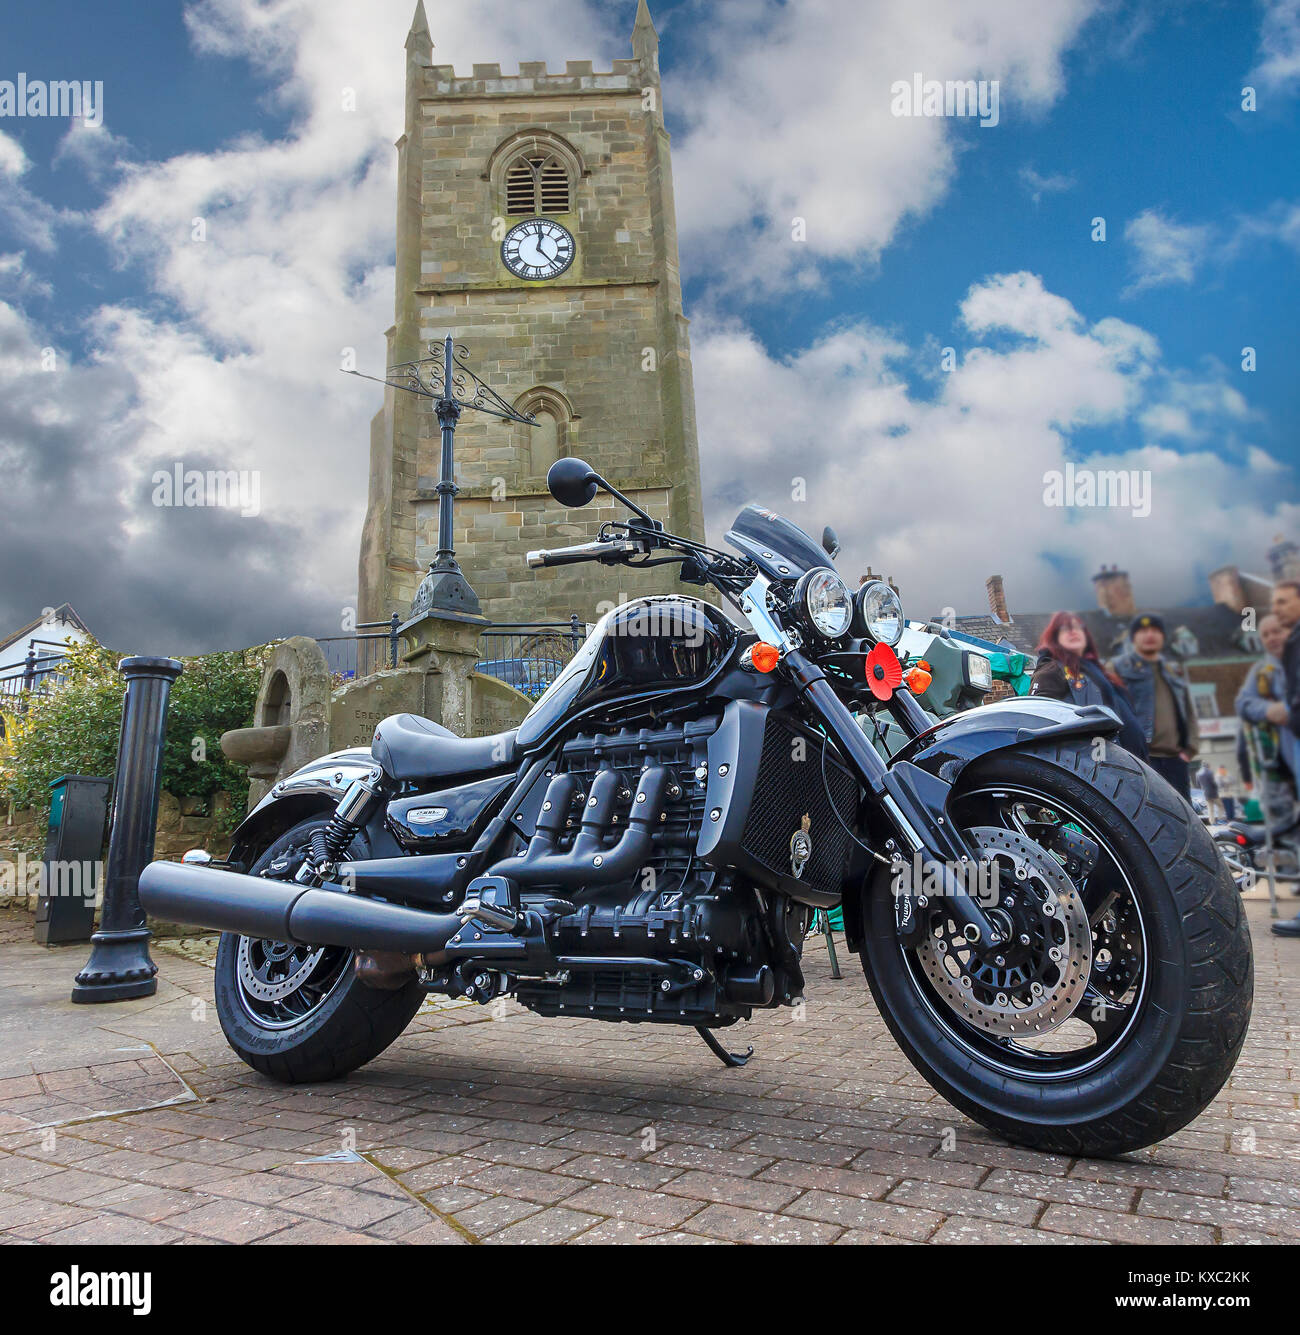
65 613
1192 633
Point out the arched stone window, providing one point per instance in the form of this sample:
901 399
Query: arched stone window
535 173
538 447
277 707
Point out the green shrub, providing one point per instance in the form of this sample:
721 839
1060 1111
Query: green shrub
75 728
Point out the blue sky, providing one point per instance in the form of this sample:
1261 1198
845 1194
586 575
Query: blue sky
921 236
1155 123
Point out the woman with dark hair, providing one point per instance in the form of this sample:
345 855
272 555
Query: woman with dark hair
1069 668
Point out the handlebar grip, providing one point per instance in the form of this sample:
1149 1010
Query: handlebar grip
563 556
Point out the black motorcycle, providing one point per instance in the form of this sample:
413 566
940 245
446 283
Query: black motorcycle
1047 929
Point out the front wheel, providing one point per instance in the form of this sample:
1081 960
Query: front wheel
1118 1008
299 1013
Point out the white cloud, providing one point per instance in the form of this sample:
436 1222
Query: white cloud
13 161
941 491
1038 184
1277 68
1165 251
233 356
788 116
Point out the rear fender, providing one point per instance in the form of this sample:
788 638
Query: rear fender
932 763
314 788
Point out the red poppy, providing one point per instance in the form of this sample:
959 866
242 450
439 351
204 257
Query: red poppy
884 672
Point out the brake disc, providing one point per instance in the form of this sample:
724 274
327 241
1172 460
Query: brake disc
1034 981
278 971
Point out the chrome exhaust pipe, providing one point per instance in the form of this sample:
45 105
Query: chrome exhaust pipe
285 911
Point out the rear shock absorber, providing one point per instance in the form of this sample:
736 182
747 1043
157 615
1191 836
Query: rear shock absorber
329 844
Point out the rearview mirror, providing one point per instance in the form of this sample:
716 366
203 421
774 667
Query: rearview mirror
572 482
830 543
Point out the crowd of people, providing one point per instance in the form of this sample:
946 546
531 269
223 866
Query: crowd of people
1149 693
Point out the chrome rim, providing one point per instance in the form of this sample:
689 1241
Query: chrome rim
1038 1016
281 984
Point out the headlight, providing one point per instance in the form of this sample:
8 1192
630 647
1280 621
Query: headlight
881 612
827 601
979 672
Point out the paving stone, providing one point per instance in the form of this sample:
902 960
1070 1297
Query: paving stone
533 1131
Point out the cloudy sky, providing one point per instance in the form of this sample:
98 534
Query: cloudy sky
920 310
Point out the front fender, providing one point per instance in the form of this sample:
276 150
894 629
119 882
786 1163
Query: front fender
317 786
947 748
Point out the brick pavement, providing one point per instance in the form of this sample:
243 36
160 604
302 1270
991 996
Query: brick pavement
134 1123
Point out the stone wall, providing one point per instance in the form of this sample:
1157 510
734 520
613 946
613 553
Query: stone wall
181 826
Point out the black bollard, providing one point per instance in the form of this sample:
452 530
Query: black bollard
119 967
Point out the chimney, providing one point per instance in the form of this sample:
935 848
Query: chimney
1284 559
871 575
1115 592
1225 588
997 600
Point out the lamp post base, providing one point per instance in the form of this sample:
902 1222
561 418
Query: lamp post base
119 968
445 589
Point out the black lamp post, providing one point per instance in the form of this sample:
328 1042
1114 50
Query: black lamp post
453 387
119 967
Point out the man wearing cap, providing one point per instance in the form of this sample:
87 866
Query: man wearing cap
1161 701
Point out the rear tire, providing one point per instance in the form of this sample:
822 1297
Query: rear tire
350 1024
1188 1025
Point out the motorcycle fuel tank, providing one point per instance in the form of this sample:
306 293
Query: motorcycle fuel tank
650 646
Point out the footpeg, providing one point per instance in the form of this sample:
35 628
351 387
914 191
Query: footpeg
491 901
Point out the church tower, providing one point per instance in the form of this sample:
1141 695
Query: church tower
536 224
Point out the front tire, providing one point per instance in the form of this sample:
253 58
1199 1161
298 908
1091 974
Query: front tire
1163 1059
299 1014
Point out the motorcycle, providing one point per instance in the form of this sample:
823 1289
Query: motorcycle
1047 930
1244 848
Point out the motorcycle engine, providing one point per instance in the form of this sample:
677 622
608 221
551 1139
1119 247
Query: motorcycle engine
727 944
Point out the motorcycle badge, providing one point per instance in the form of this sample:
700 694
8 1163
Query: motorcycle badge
801 846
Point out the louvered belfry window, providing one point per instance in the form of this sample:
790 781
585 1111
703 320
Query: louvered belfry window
537 184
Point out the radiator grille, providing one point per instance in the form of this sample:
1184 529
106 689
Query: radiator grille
789 787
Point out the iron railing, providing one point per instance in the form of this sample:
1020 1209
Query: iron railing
372 649
529 655
38 674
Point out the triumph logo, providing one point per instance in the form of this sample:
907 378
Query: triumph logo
801 846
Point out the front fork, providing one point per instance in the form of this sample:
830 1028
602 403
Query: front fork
913 800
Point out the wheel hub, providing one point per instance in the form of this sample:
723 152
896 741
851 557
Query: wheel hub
1034 980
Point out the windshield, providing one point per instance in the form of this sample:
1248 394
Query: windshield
773 542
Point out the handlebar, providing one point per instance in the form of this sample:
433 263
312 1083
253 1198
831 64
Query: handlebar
583 551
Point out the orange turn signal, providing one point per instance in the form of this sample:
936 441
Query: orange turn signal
918 679
764 657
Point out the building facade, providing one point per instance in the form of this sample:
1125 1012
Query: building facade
536 225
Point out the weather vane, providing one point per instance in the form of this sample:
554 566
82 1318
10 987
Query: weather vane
445 378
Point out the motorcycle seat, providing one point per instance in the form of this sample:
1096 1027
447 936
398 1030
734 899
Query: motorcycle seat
409 747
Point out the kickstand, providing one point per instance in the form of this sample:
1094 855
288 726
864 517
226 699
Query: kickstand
725 1057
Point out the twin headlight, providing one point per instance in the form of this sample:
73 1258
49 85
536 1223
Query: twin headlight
830 606
880 612
826 601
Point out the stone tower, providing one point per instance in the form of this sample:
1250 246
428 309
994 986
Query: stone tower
579 323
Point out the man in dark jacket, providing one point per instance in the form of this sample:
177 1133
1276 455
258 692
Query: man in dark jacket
1161 700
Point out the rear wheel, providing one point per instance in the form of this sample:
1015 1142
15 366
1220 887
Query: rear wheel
1118 1008
299 1013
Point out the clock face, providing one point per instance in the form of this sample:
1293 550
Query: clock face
537 249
